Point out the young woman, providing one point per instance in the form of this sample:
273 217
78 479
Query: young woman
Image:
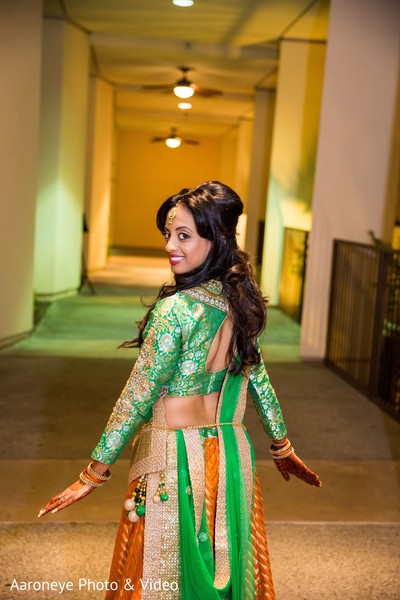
192 524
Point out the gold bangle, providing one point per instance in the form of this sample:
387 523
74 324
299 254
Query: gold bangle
282 456
281 449
281 452
101 476
85 479
281 444
87 474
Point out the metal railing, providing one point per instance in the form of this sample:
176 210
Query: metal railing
364 321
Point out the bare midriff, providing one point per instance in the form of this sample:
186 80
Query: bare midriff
186 411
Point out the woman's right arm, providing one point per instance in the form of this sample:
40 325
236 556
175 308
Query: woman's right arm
154 367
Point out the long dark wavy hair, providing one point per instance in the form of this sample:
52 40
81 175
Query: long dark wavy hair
216 208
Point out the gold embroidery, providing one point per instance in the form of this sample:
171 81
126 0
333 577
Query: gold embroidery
146 356
150 456
207 298
120 414
148 452
152 425
241 404
244 446
266 402
161 541
152 538
222 564
247 465
195 455
170 555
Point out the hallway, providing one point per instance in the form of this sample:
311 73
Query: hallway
58 387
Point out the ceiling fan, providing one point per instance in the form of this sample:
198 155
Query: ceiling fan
173 140
184 88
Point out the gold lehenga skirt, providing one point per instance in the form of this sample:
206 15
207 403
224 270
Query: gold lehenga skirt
127 562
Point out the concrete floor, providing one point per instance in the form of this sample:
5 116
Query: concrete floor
57 388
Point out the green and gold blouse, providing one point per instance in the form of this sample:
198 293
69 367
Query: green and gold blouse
172 361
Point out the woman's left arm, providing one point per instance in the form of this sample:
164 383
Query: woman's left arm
266 403
270 413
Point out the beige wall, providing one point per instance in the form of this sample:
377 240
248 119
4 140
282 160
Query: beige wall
148 173
358 160
98 188
59 213
20 50
294 146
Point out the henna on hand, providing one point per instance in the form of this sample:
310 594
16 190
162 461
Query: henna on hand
71 494
292 465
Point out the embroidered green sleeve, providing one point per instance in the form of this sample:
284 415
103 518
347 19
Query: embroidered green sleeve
154 367
266 402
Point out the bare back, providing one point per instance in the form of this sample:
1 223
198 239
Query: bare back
183 411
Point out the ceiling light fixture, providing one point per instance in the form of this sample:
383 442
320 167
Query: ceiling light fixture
183 89
183 2
173 141
184 105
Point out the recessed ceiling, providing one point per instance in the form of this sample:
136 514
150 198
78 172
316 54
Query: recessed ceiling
230 45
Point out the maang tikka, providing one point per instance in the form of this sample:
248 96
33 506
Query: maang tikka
172 213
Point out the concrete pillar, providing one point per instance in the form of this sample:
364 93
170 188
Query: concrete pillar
264 105
243 160
297 109
227 163
358 160
20 58
60 200
98 183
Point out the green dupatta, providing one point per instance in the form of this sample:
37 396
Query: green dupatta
197 566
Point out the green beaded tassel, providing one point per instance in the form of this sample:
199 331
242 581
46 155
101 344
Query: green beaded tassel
136 506
161 493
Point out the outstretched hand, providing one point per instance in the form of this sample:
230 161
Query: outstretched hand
292 465
71 494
